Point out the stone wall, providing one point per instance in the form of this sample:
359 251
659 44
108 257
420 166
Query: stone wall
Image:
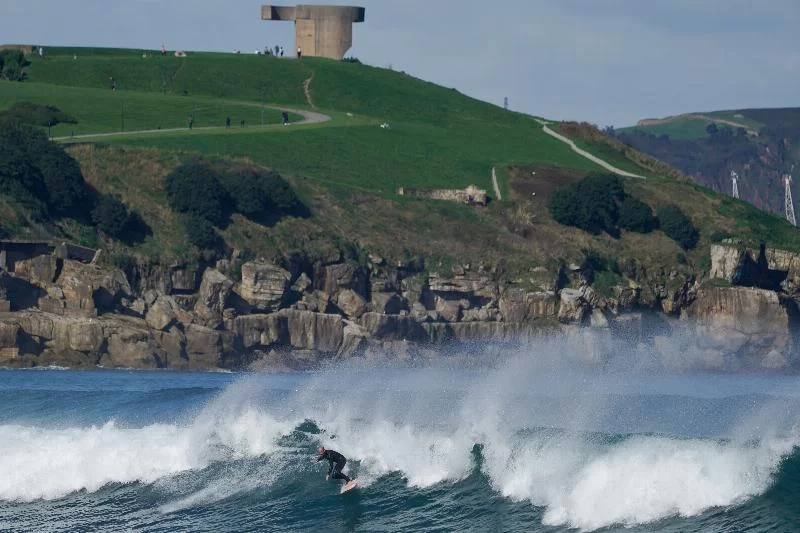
470 196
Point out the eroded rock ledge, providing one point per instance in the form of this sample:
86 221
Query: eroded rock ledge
742 314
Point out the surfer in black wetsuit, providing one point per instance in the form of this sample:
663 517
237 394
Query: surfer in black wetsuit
336 461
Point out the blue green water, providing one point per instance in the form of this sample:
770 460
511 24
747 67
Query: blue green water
506 447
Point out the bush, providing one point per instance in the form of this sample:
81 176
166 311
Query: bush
111 216
31 166
194 189
201 233
12 65
37 115
678 227
67 193
262 196
635 215
590 204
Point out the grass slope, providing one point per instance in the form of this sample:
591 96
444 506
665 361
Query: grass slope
348 169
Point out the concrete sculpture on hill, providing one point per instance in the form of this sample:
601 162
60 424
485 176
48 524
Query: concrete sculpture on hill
320 31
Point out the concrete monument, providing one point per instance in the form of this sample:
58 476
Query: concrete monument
320 31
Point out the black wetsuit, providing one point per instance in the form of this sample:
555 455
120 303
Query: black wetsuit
337 462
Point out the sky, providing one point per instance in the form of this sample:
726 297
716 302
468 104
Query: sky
609 62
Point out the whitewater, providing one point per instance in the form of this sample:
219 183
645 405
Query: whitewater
515 443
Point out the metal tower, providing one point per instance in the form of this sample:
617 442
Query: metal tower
789 203
735 180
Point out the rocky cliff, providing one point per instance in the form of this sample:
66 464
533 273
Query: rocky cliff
297 314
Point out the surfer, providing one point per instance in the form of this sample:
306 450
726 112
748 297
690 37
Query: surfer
336 462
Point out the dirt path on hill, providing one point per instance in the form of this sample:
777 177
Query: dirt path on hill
495 185
307 90
309 117
591 157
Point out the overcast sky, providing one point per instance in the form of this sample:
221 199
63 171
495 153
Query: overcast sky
604 61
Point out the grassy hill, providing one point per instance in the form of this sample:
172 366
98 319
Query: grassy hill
759 144
346 170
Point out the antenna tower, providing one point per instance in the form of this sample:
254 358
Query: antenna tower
789 203
735 180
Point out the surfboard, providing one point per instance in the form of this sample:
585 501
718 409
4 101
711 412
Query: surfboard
349 486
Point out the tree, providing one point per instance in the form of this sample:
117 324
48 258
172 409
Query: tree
201 233
12 65
590 204
67 193
111 216
195 189
635 215
678 227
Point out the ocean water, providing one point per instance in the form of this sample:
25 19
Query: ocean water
510 445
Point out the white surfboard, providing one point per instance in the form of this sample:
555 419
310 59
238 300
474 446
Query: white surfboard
349 486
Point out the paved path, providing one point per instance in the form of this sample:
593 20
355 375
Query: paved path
495 185
309 117
591 157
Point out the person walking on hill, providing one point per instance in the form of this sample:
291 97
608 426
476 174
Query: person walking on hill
299 53
281 51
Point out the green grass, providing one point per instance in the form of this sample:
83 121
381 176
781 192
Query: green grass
685 129
347 170
104 111
371 159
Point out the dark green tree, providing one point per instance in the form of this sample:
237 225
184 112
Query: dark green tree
201 233
195 189
678 227
635 215
111 216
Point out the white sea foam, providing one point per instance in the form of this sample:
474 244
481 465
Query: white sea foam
583 479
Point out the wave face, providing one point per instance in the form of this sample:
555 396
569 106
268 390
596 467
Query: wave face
509 446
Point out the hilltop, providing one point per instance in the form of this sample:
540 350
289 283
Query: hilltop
760 145
312 210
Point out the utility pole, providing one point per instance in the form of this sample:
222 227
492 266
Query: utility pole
505 102
735 180
788 202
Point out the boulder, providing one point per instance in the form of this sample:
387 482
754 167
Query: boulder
82 282
518 306
9 345
302 284
354 339
726 262
344 276
449 310
573 307
478 290
749 323
131 347
163 313
40 270
388 303
315 331
317 301
214 291
206 348
264 285
351 303
262 330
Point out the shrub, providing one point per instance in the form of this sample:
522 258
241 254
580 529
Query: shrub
590 204
12 65
201 233
111 216
194 189
262 196
635 215
67 193
37 115
678 227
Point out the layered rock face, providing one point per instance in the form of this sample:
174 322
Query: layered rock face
296 316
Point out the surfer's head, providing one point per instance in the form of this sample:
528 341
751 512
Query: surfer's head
321 450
